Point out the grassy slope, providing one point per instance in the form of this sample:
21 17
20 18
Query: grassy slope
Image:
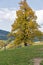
20 56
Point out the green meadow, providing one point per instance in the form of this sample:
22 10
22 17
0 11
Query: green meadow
21 56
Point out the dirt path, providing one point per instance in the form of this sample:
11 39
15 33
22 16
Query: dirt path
37 61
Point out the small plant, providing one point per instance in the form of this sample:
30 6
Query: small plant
41 63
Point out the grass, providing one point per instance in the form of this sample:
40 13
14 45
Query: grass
21 56
41 63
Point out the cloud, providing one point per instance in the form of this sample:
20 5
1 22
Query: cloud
39 14
7 17
7 14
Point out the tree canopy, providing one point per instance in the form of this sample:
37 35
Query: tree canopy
25 28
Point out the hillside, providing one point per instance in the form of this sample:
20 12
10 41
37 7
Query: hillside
21 56
3 35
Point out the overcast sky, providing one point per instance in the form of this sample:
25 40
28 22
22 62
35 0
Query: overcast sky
8 12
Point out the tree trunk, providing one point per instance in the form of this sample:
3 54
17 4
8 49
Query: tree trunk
25 44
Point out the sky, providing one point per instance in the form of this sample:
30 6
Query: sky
8 12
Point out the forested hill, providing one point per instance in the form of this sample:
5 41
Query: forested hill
3 35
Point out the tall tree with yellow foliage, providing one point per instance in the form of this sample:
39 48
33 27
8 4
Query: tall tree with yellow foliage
25 28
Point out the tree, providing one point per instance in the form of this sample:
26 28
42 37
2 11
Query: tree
2 43
25 28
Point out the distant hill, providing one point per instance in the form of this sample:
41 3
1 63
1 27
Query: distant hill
3 35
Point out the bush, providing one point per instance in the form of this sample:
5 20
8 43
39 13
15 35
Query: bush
2 43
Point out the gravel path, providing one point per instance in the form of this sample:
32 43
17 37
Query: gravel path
37 61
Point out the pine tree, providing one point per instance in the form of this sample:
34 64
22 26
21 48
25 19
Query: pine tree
25 28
